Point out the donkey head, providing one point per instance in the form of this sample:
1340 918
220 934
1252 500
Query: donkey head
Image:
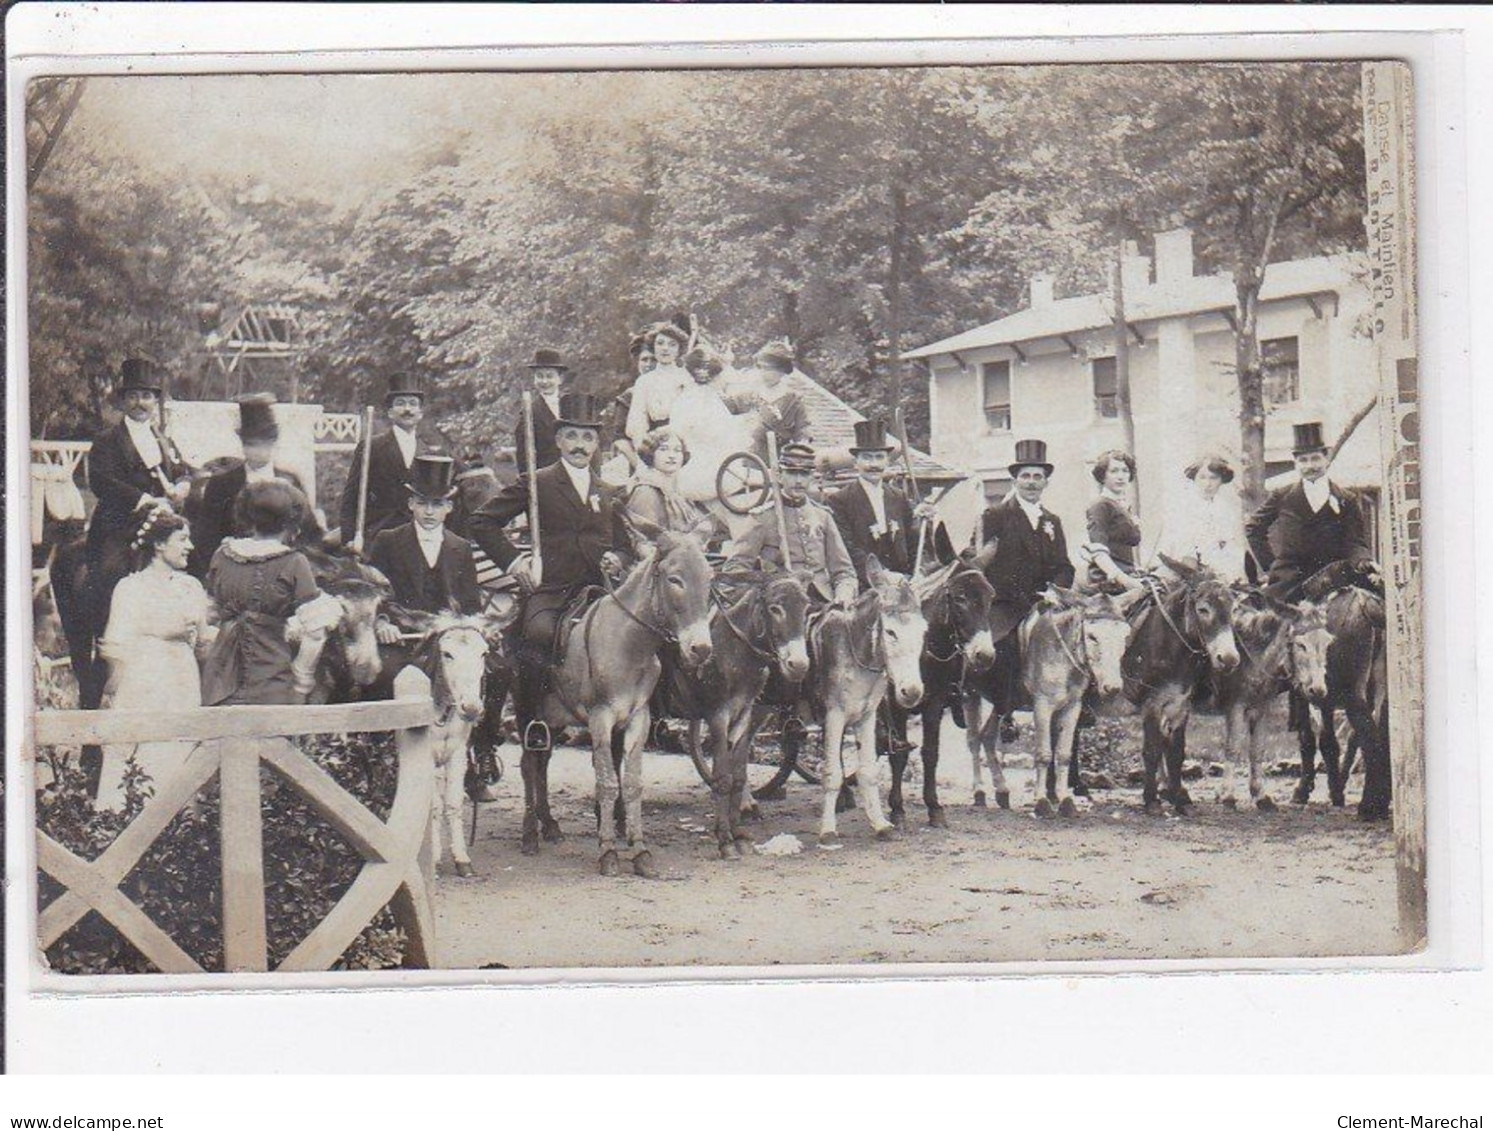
903 631
453 651
968 602
682 589
786 599
1106 632
1209 615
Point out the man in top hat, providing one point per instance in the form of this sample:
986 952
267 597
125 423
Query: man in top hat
1309 524
390 457
582 539
130 464
546 371
1026 552
874 517
213 518
429 568
814 541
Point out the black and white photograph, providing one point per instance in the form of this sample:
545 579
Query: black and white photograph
727 519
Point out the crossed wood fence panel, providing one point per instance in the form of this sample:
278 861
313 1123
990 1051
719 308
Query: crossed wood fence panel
231 743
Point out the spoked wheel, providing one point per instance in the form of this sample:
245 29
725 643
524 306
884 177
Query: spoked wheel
809 764
742 483
695 744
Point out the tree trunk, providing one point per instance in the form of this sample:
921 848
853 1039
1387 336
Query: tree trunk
894 300
1251 384
792 326
1122 367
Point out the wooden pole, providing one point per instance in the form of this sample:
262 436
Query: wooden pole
777 497
244 941
900 424
363 476
1122 370
535 552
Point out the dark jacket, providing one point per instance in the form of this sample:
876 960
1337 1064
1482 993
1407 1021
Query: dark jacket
896 548
1025 562
546 451
451 584
118 477
1292 542
213 519
574 533
388 493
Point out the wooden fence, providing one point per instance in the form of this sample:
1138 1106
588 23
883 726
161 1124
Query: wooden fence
232 742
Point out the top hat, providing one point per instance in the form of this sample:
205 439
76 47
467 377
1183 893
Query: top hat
404 385
795 456
256 418
433 477
139 373
870 436
579 410
548 359
1030 453
1307 438
776 355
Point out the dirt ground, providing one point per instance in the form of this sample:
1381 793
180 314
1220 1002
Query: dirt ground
994 886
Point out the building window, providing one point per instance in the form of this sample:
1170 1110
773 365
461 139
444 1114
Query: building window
1280 371
1106 388
995 381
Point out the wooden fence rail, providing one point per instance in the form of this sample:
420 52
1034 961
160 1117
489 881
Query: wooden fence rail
232 742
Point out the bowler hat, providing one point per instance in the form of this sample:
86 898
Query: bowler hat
870 436
579 410
1030 453
256 418
404 385
433 477
1307 438
796 456
548 359
139 373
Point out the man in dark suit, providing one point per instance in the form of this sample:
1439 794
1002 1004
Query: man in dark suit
390 456
1304 527
429 568
1026 552
547 371
582 540
213 519
873 517
130 464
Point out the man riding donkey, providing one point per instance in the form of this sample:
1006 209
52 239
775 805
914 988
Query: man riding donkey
584 540
877 519
1298 532
1025 551
814 545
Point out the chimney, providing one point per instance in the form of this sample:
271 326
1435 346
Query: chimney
1174 255
1041 291
1135 269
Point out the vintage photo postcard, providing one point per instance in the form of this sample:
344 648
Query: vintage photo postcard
805 518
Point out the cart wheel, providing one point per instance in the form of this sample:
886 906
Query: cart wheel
742 483
704 764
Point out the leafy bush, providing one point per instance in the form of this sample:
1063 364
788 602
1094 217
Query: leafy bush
308 866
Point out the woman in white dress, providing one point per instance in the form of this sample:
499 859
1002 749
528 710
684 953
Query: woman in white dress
158 627
1210 529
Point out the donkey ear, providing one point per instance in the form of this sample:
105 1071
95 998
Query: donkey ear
1185 570
707 528
501 611
1063 598
644 528
943 545
874 570
986 555
1128 600
410 621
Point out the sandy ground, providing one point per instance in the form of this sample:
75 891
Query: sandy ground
993 886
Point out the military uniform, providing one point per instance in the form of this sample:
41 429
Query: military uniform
814 544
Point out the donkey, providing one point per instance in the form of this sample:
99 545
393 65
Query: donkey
1356 684
956 605
452 650
859 654
1069 643
1177 638
351 662
608 671
758 625
1282 647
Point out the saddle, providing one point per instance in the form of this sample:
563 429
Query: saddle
570 616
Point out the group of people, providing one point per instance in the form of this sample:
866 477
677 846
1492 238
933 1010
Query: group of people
195 587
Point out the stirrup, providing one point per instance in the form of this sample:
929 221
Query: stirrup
537 736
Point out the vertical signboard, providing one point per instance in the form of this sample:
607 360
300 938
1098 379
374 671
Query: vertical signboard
1389 153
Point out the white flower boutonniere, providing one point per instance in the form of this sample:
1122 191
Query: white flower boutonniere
1049 530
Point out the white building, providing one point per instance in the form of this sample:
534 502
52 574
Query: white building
1047 372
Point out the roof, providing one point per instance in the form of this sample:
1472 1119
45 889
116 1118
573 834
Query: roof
1199 295
832 424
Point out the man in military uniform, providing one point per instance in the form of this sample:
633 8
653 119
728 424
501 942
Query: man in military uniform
814 541
392 452
582 539
1028 552
1306 526
875 518
213 519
